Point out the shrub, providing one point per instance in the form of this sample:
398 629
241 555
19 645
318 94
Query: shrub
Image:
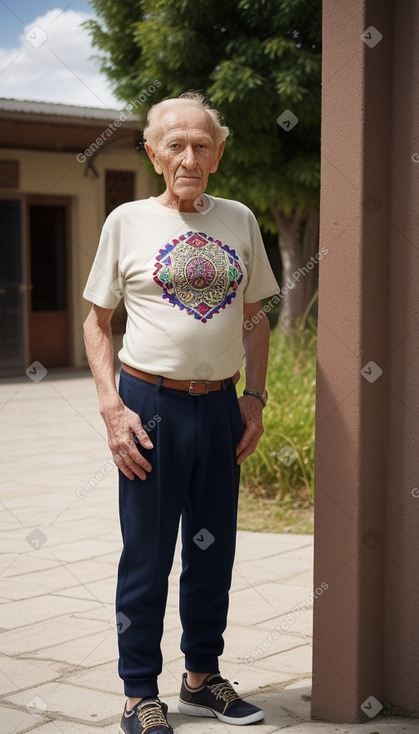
282 466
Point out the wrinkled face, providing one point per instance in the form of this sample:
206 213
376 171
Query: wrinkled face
185 153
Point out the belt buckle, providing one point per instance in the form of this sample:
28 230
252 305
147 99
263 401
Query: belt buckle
198 382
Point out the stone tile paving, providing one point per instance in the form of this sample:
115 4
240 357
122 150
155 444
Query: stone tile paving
59 548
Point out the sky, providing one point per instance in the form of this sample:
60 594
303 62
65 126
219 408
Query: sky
46 56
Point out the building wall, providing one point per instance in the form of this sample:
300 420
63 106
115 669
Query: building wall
60 174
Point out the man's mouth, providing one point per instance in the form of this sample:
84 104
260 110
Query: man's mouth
189 178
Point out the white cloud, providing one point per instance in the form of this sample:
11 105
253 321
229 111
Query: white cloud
53 63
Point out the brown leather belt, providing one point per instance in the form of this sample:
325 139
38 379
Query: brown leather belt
194 387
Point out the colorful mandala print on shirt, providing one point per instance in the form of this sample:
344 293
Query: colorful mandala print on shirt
198 273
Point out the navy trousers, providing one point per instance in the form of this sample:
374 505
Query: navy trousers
194 477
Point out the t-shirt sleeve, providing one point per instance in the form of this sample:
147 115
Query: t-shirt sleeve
261 280
104 284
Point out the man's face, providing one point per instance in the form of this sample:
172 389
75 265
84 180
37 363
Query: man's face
185 154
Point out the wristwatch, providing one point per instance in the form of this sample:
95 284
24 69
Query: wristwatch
262 396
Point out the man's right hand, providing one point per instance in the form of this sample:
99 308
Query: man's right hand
122 425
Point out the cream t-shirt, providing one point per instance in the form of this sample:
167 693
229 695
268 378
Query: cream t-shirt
184 278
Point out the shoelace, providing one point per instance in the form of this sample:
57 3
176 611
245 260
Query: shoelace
225 691
151 714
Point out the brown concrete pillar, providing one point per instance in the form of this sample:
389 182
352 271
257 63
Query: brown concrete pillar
366 630
401 640
352 388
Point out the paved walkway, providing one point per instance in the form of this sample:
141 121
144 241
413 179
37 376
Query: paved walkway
59 550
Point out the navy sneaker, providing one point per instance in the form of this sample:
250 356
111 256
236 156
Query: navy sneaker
149 715
216 697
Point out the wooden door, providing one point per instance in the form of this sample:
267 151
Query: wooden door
50 275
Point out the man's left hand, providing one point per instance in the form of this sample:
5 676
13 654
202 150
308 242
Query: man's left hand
251 412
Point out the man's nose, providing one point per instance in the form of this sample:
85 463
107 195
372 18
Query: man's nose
189 159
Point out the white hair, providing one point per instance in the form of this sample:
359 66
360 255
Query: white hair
153 128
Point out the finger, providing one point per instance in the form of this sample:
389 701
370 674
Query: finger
140 432
248 442
141 437
131 459
250 448
247 452
245 440
120 464
137 462
128 473
131 469
130 452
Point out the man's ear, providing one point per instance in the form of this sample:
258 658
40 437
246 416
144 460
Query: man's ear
219 155
153 157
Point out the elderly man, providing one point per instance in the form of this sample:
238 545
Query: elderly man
193 268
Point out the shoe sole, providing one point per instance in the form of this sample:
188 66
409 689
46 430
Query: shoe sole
191 710
121 731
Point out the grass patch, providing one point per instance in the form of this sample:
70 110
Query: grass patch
262 515
277 480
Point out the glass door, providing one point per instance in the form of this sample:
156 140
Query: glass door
12 287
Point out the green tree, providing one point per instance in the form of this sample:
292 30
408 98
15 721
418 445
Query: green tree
257 61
